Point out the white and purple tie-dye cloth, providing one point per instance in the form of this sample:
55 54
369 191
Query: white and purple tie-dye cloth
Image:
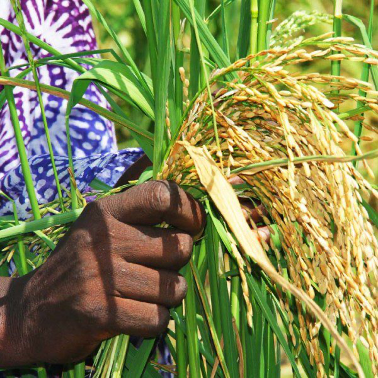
66 25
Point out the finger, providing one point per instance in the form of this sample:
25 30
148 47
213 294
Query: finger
154 202
130 317
134 171
263 233
236 180
151 246
251 211
144 284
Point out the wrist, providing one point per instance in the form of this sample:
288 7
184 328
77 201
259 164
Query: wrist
13 342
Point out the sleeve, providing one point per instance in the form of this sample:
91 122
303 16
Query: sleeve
107 167
66 25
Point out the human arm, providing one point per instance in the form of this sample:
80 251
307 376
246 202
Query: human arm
112 273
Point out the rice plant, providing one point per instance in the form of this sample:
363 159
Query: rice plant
260 115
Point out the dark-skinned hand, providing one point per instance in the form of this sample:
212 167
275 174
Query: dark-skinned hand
112 273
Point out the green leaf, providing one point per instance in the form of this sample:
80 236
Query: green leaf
140 359
253 286
373 215
132 360
365 360
244 29
191 327
145 176
219 227
207 38
160 82
140 12
365 37
117 76
119 44
212 249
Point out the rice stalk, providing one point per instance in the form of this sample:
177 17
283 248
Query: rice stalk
20 19
327 240
278 130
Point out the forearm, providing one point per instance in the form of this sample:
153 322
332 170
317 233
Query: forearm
11 343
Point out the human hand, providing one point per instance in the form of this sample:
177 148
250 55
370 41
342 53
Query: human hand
112 273
250 211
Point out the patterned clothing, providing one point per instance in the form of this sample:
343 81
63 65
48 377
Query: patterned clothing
66 25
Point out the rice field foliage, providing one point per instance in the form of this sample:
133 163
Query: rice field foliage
311 290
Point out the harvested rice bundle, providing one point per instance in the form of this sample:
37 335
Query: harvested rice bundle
265 127
280 133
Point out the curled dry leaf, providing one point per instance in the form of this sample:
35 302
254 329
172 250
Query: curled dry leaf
225 199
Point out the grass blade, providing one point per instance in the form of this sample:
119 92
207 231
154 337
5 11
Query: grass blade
191 327
19 141
20 19
209 319
206 37
119 44
195 62
117 76
161 86
140 12
365 38
141 358
244 29
124 121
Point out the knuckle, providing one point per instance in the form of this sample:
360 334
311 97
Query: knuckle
93 208
160 195
82 237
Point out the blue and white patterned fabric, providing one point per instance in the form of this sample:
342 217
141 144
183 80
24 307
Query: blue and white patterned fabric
66 25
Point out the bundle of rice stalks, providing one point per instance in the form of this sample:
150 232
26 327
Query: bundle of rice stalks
280 133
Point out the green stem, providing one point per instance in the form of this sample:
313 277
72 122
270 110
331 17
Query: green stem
258 167
225 38
209 318
264 7
74 199
235 297
125 122
41 372
180 346
230 348
364 77
20 19
39 224
195 58
254 25
19 141
179 62
337 17
336 371
121 356
271 16
212 247
206 78
160 83
191 325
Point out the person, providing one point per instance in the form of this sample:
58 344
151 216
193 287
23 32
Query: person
113 272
